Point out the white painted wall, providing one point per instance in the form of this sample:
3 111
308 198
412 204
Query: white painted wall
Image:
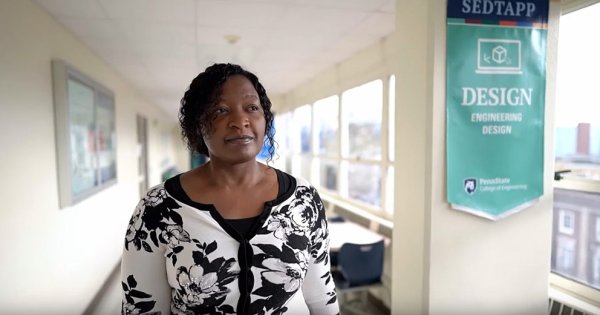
53 261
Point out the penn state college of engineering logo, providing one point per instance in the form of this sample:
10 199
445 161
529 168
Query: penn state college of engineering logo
470 185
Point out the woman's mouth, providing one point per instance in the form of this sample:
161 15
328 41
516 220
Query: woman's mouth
239 139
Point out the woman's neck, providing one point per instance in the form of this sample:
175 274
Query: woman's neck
239 175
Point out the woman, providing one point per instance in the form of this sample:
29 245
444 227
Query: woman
233 236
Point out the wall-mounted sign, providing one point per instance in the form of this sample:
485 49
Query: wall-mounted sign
495 99
84 113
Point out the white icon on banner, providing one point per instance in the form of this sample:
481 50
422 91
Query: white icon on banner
498 56
470 185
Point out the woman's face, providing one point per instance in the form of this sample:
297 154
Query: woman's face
238 123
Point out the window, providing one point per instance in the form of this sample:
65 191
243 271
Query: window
361 120
328 174
326 142
598 229
596 268
283 152
302 125
326 126
301 141
576 251
363 182
565 258
577 141
576 214
566 222
362 116
344 143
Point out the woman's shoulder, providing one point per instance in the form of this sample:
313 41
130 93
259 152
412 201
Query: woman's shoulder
156 196
155 192
157 204
296 181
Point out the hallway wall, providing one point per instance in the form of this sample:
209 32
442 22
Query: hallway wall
54 260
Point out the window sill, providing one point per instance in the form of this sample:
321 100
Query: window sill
576 294
362 212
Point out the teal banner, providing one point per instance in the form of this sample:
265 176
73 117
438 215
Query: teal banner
495 99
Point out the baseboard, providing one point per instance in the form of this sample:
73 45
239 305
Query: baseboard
114 274
373 300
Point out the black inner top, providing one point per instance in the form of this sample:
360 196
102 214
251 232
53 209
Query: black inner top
242 226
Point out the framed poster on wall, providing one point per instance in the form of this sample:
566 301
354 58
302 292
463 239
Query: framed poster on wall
84 113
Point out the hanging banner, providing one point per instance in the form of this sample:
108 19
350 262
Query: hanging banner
495 99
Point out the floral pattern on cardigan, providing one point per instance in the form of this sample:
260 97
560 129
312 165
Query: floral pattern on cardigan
179 259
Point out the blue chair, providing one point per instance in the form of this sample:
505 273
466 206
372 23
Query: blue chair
359 268
336 219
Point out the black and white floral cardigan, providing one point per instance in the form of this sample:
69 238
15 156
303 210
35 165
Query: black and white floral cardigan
184 259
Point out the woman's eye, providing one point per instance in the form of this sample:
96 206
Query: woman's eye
254 108
220 110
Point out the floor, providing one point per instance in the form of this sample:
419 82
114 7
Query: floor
356 306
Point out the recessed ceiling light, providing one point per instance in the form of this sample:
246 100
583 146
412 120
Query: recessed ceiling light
232 38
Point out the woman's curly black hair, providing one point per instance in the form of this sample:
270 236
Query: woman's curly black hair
204 93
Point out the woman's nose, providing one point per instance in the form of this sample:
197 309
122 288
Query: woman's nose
239 120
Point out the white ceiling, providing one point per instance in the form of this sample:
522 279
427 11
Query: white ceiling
159 46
